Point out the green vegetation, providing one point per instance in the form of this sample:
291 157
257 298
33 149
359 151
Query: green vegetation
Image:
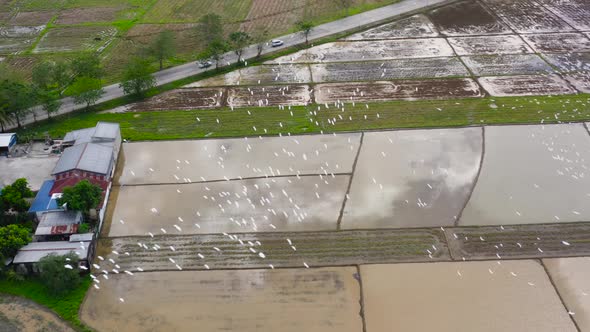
60 273
163 47
12 238
86 90
81 197
138 78
12 197
65 306
163 125
305 27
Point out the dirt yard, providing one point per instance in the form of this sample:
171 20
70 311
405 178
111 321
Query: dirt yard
18 314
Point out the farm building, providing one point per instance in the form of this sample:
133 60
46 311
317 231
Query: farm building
28 257
57 225
7 143
44 201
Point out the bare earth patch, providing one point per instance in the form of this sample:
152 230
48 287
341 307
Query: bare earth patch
525 85
85 15
559 42
397 90
179 99
269 95
18 314
32 18
412 27
526 16
508 64
510 44
387 70
466 18
76 39
574 12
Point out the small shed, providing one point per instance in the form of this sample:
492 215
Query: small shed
57 225
28 257
7 143
44 200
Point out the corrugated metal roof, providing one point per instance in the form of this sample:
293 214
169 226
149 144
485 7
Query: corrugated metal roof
42 201
96 158
80 136
57 230
33 252
82 237
59 218
106 130
86 157
6 138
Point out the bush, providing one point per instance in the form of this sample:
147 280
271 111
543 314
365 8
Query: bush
12 237
56 277
83 228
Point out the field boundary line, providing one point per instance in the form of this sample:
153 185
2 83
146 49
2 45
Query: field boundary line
483 152
345 200
362 298
559 294
231 179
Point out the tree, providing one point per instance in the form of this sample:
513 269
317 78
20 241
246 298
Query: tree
163 47
5 117
210 29
49 100
87 65
260 37
13 196
138 78
305 27
344 4
42 75
81 197
61 76
12 238
56 273
214 51
17 98
238 41
86 90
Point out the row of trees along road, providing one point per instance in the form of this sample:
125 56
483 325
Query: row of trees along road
82 77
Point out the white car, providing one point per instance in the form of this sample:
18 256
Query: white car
276 43
205 64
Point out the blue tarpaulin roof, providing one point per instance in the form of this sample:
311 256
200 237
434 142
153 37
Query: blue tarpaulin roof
43 201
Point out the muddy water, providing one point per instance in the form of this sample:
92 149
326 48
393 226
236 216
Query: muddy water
388 70
18 314
580 81
507 64
411 27
570 276
232 158
266 74
574 12
532 174
526 16
558 42
314 300
462 297
280 204
510 44
570 61
413 178
525 85
371 50
466 18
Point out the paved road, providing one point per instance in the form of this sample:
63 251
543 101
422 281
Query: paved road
189 69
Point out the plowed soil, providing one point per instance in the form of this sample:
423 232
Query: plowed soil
466 18
397 90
